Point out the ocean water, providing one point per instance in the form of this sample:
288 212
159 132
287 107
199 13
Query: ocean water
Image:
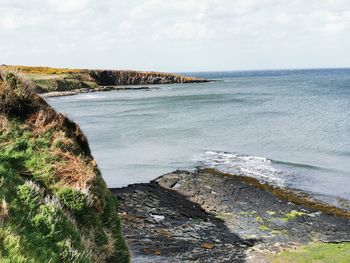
287 127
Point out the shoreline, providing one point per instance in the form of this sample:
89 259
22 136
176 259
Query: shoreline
54 94
207 216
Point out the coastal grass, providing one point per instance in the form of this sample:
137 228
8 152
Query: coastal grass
45 85
47 79
39 70
54 204
318 252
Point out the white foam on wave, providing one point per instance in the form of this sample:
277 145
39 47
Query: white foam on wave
252 166
90 96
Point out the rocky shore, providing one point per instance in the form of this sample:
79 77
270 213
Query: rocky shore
205 216
91 90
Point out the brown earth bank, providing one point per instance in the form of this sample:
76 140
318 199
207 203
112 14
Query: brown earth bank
206 216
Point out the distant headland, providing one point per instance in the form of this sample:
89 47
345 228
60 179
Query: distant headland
63 81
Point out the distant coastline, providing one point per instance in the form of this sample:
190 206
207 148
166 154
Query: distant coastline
53 82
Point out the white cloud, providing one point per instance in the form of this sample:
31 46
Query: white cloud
69 6
175 34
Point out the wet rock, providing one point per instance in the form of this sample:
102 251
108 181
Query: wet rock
212 217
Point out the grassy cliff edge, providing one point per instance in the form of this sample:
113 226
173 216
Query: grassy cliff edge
54 204
46 79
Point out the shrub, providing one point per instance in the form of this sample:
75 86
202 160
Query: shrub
15 93
68 253
30 194
73 199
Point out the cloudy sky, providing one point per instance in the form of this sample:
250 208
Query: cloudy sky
176 35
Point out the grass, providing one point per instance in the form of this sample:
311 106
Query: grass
54 204
319 252
40 70
61 84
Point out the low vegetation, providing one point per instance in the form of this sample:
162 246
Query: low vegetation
40 70
54 204
319 252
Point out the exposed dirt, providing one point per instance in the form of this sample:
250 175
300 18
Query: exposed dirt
205 216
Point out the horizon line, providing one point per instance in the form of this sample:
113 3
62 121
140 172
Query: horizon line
188 71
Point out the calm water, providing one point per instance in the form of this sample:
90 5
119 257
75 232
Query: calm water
288 127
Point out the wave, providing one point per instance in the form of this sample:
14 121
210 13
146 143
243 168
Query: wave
89 96
253 166
300 165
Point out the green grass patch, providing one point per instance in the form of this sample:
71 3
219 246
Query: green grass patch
319 252
62 84
42 219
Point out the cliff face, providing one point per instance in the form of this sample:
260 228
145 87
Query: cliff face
54 204
54 79
115 77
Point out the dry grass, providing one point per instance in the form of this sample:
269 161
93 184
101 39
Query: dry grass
58 150
4 211
61 141
5 126
40 70
110 246
45 120
98 254
15 92
13 78
74 171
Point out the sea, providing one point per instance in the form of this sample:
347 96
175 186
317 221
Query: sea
290 128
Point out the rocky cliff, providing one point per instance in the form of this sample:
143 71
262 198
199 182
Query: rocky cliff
47 79
118 77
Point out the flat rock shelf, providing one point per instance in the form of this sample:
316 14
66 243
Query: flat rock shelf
206 216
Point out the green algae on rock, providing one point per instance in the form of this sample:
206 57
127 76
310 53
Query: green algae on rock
54 204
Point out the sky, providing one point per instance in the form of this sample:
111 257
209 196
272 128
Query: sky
176 35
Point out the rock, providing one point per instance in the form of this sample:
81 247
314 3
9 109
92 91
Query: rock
207 246
203 207
120 77
158 218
